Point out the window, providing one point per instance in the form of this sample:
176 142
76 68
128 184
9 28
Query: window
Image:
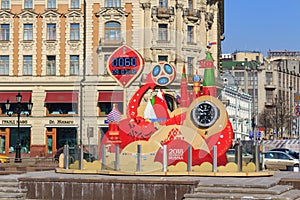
240 78
269 78
24 136
269 96
163 32
252 78
62 108
5 4
190 4
28 32
74 32
74 65
4 32
61 103
162 58
112 3
190 34
112 31
51 31
27 65
190 62
4 65
74 3
163 3
27 4
51 65
51 4
107 99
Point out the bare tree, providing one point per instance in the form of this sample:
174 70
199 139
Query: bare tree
277 117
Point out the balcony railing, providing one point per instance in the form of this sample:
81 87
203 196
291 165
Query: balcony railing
111 42
160 12
192 14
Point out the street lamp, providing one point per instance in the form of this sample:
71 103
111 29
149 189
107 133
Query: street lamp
291 109
276 117
18 108
254 68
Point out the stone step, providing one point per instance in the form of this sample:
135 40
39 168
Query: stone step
275 190
289 195
8 184
12 190
6 195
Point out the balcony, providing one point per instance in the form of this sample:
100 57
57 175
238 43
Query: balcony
109 44
269 104
162 13
191 14
270 86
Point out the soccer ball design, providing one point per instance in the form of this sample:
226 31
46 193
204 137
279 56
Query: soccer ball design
163 74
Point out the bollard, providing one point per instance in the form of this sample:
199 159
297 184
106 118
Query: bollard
138 165
103 157
215 160
257 156
238 154
66 156
190 159
117 163
165 159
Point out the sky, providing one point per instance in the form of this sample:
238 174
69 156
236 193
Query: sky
261 25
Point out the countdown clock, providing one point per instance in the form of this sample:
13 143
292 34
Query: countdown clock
204 114
125 64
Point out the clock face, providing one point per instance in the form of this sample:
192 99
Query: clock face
204 114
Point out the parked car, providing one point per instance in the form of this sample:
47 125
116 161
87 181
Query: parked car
288 151
4 159
278 160
230 154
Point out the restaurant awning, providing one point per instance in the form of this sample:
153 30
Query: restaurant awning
11 96
61 97
110 96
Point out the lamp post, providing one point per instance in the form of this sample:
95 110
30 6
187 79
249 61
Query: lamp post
254 67
18 108
291 110
276 117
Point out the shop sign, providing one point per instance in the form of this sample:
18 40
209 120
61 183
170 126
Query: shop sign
61 122
125 65
14 122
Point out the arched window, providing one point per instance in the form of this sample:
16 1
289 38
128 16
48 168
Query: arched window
112 31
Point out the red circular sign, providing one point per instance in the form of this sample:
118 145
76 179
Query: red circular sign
125 65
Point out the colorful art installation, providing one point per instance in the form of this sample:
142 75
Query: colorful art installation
192 124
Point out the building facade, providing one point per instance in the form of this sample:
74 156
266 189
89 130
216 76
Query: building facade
54 53
274 79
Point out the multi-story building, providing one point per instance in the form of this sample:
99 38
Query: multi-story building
238 105
273 77
54 53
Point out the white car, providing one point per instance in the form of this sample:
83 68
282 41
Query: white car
230 154
278 160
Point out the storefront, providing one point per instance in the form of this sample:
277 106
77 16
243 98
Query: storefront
9 136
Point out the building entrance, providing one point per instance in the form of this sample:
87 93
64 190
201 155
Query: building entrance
66 135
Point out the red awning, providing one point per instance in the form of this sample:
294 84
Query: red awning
61 97
110 96
11 96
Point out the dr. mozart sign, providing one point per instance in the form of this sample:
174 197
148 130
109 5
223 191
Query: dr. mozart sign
125 65
61 122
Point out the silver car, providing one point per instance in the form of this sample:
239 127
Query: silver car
278 160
